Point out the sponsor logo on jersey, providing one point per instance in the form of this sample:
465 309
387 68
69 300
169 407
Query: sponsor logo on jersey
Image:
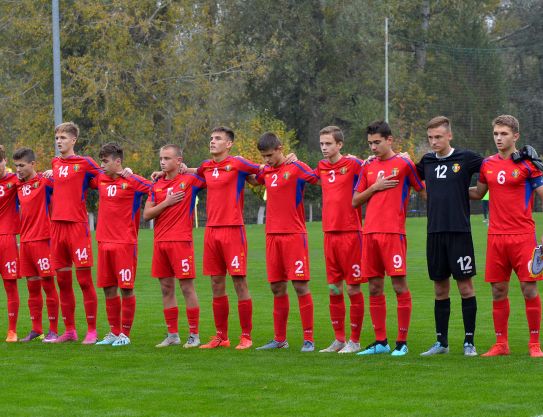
395 171
489 172
228 168
515 173
456 168
124 185
286 175
343 170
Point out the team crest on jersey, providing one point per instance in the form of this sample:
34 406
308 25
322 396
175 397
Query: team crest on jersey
9 185
124 185
36 184
76 167
456 168
395 171
182 185
286 175
228 168
343 170
515 173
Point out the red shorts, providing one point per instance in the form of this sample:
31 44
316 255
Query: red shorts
117 264
225 249
173 259
505 253
36 259
384 253
9 257
287 257
343 255
71 243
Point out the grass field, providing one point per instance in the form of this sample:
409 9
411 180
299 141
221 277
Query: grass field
140 380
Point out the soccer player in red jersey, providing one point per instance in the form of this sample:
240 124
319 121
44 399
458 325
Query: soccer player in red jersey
384 186
117 237
70 235
9 255
287 256
225 241
34 193
171 202
511 232
342 228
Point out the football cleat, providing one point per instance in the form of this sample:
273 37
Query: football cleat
121 340
51 337
11 336
499 349
375 349
171 339
108 339
31 336
192 341
308 346
436 349
350 347
536 266
90 338
244 343
335 347
216 342
273 344
535 350
67 336
469 349
400 351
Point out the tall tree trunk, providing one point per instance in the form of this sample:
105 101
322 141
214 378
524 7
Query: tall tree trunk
420 45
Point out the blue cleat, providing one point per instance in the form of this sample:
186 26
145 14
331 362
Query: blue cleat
273 344
308 346
375 349
401 351
436 349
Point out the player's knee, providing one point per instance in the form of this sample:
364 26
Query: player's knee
353 290
529 290
127 292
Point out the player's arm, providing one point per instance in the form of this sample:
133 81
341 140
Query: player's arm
153 210
478 192
381 183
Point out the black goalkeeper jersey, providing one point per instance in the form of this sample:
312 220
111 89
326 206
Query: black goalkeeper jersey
447 186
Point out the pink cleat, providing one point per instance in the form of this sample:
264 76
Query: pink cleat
91 338
68 336
51 337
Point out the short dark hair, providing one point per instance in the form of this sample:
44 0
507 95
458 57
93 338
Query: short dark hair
379 127
2 153
111 149
335 131
229 132
507 120
267 141
26 154
176 148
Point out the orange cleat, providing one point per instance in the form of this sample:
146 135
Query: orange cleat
535 350
244 343
216 342
12 336
499 349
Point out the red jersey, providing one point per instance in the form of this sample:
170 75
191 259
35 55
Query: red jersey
72 176
35 200
386 210
511 188
338 181
9 205
119 207
225 184
285 196
175 222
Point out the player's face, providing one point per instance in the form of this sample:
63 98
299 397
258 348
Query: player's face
111 165
65 142
219 143
169 161
379 145
329 147
504 138
25 169
273 157
439 139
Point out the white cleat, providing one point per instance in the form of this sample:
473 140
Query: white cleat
171 339
336 346
122 340
350 347
108 339
192 341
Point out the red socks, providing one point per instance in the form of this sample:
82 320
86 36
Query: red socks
51 300
90 301
305 303
337 315
12 293
281 308
245 311
404 315
500 314
67 299
378 312
171 317
220 314
357 315
128 312
35 304
113 311
193 317
533 314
